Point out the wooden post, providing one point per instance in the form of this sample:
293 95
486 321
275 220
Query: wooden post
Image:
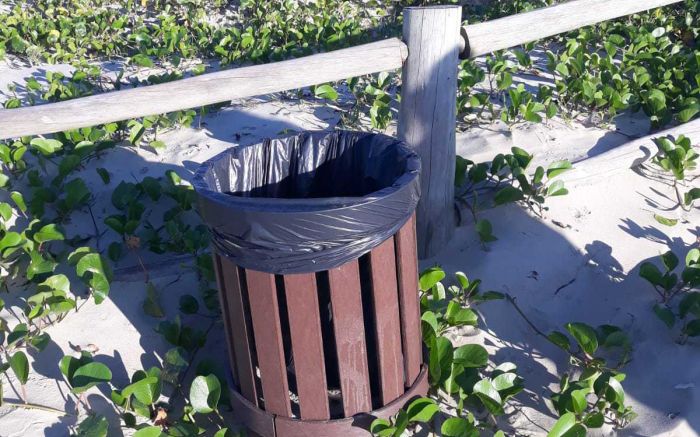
427 117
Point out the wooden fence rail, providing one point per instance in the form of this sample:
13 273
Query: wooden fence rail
203 90
427 113
503 33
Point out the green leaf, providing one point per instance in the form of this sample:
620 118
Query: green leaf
557 168
48 232
692 328
151 305
20 365
670 260
94 425
566 426
504 381
430 319
691 196
205 393
485 230
101 274
90 375
104 174
578 400
17 197
584 335
189 304
665 314
422 410
665 221
381 428
658 32
508 194
557 189
615 392
456 315
68 365
326 91
150 431
690 304
595 420
560 339
440 359
142 60
489 396
146 390
651 273
431 277
458 427
46 146
471 355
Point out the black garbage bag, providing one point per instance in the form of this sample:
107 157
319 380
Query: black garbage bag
307 202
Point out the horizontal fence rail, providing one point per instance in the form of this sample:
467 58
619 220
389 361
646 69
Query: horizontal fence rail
629 155
476 40
203 90
519 29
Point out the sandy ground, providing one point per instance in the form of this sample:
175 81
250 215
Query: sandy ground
606 230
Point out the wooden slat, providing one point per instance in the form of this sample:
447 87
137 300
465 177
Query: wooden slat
348 326
407 269
356 426
232 298
382 266
307 345
519 29
203 90
229 332
264 311
258 423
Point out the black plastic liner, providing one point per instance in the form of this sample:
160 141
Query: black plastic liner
308 202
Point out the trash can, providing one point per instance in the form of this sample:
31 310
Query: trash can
315 255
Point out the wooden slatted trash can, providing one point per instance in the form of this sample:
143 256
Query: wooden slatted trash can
315 254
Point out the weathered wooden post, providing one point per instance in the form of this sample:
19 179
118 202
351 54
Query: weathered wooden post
427 117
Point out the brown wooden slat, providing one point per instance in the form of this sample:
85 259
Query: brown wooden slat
226 316
264 311
382 262
348 326
307 345
407 268
258 423
356 426
232 299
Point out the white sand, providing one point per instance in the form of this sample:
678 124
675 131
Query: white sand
611 232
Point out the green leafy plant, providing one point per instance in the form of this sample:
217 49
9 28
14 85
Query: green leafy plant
507 177
679 297
678 157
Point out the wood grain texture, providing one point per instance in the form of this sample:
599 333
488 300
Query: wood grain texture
382 267
240 335
427 116
264 311
515 30
407 272
226 315
307 345
624 157
203 90
349 330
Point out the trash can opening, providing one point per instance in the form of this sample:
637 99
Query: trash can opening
311 165
308 202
